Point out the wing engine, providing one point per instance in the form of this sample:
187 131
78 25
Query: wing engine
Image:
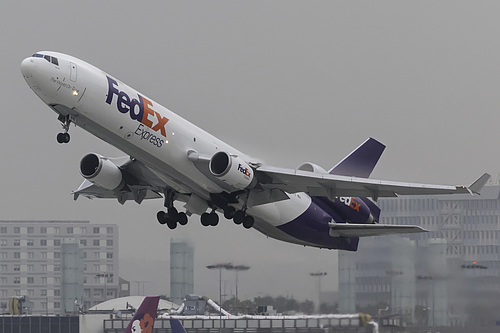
101 172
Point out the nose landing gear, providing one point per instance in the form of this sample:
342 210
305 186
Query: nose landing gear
64 137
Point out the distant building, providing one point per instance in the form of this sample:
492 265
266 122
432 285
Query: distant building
181 270
55 263
446 277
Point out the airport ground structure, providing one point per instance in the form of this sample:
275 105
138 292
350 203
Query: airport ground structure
448 277
54 263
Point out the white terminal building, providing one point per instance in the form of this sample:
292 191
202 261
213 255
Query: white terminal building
59 265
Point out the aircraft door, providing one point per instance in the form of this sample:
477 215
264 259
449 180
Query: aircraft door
72 73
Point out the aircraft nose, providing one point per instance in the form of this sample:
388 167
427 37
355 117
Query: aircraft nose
27 66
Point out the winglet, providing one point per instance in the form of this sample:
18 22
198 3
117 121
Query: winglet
477 186
145 316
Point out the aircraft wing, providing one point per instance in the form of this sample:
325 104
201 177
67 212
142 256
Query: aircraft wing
328 185
366 230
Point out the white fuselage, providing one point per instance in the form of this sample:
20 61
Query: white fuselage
145 130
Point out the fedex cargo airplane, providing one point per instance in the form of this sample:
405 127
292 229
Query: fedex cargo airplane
170 158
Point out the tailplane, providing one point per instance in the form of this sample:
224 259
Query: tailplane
361 162
145 316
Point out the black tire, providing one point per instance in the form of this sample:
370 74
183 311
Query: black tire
60 138
229 212
239 217
161 217
172 224
249 221
205 219
214 219
66 137
182 218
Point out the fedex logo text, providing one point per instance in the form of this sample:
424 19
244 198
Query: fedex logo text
350 202
244 171
140 109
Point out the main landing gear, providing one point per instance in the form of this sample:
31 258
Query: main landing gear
64 137
172 217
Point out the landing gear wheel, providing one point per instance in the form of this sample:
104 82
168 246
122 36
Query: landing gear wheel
63 137
161 217
205 219
214 219
172 224
248 223
182 218
239 217
229 212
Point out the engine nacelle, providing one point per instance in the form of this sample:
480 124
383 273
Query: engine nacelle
311 167
101 171
231 170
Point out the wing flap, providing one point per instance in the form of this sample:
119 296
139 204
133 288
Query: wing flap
367 230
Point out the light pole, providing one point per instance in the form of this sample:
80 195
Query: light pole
319 274
237 269
220 267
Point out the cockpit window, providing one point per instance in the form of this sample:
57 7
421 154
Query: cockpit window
48 58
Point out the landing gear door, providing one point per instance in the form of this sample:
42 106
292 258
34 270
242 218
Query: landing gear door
72 73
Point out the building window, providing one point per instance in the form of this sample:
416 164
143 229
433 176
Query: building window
57 292
31 292
57 230
43 242
31 280
109 242
109 230
31 230
17 255
69 230
43 255
17 230
43 292
109 255
31 268
3 230
17 268
43 267
17 242
57 268
83 242
3 255
31 242
83 230
96 230
3 268
57 242
57 255
43 230
44 281
3 279
3 242
96 242
17 280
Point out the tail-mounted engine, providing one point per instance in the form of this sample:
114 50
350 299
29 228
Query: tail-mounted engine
101 171
231 170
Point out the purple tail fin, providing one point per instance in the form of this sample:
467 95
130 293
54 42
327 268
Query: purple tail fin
176 326
145 316
361 162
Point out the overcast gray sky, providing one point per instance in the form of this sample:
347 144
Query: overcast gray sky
285 81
